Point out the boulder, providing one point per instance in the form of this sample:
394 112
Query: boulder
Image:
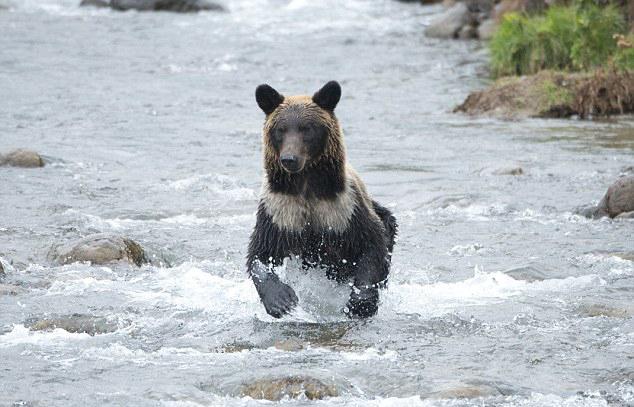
101 249
618 200
449 23
22 158
291 387
181 6
75 323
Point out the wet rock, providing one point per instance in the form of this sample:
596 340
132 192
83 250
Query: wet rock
602 310
486 29
22 158
526 273
291 387
617 201
449 24
181 6
10 289
75 323
101 249
94 3
2 273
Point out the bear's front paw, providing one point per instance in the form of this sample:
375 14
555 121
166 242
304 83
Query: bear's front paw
278 298
363 303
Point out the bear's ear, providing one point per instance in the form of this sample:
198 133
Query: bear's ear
328 96
268 99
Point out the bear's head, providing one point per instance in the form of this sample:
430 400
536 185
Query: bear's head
301 133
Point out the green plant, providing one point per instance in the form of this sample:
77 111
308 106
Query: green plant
624 55
571 38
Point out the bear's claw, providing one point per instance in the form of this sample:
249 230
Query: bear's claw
278 298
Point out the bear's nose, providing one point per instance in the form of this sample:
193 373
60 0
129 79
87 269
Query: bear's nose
290 162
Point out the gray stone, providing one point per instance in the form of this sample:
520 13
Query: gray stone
291 387
449 24
618 199
486 29
22 158
75 323
182 6
468 32
101 249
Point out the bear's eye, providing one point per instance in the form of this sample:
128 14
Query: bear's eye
278 133
306 130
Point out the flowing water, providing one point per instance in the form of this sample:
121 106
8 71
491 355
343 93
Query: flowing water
150 130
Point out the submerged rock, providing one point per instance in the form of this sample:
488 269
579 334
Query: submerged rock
101 249
22 158
94 3
291 386
10 289
509 171
75 323
618 201
602 310
465 392
555 94
181 6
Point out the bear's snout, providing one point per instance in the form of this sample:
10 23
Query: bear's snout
292 163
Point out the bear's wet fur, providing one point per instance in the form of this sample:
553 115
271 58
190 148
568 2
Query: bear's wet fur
315 206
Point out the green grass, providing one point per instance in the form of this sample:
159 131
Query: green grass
567 38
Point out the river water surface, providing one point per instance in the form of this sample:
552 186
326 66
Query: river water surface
150 130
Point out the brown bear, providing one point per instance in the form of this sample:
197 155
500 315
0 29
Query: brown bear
314 205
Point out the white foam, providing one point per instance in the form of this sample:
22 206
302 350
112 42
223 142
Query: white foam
21 335
482 289
467 250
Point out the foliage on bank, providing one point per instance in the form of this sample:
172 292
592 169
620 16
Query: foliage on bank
574 38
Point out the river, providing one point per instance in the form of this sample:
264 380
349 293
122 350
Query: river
150 129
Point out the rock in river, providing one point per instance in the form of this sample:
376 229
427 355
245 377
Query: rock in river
10 289
449 24
75 323
291 386
617 202
101 249
22 158
181 6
